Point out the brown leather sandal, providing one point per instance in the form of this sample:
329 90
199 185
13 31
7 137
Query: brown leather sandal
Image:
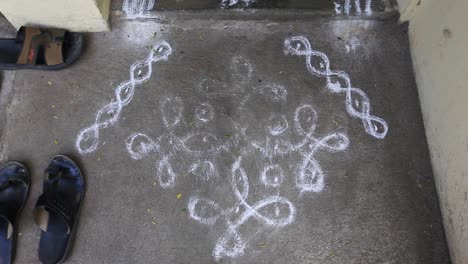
42 49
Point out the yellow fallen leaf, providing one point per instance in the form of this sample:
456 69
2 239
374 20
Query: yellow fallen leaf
179 196
56 142
49 83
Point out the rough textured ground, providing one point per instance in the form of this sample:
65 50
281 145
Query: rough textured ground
243 155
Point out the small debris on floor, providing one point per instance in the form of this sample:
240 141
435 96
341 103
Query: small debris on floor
74 85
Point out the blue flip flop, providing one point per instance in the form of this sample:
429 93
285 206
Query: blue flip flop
14 189
57 209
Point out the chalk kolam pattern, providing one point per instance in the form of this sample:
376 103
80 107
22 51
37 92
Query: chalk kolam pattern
198 145
137 8
345 8
256 192
231 3
231 243
357 103
309 176
88 139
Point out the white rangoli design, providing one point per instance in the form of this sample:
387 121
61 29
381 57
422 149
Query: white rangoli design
287 134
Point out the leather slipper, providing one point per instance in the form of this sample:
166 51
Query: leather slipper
40 49
14 189
57 209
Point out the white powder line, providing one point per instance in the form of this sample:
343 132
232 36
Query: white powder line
165 173
172 112
203 170
278 125
338 10
311 177
231 244
272 176
140 145
230 3
137 8
357 6
357 102
88 139
278 146
204 113
368 8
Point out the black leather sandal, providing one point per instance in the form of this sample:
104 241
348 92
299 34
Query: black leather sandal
14 189
57 209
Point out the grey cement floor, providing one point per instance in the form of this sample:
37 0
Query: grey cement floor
242 156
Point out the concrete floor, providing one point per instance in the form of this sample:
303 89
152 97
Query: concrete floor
214 157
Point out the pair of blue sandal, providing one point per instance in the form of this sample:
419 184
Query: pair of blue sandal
56 211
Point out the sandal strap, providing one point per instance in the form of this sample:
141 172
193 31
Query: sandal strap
5 221
10 182
28 54
54 51
45 205
50 41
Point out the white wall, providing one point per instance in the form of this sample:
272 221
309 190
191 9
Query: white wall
408 8
74 15
438 33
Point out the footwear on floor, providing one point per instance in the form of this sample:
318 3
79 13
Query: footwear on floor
14 189
57 209
40 49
